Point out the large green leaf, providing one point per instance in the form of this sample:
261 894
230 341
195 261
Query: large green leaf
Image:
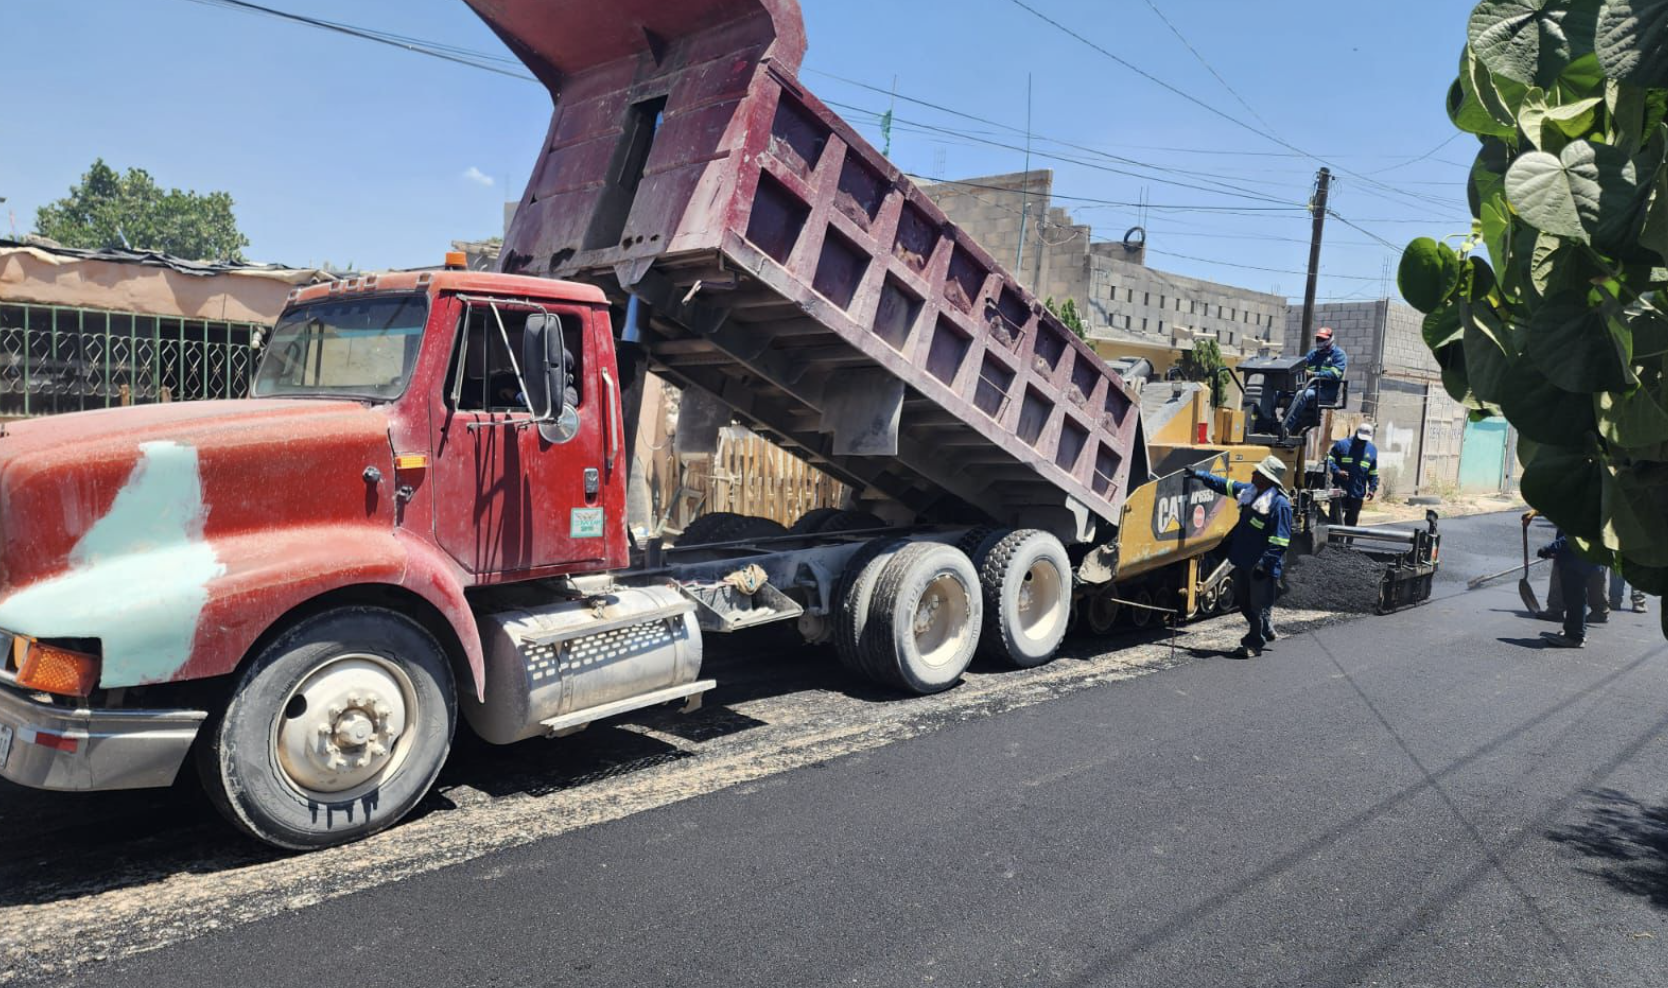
1442 327
1496 221
1654 236
1499 96
1451 359
1486 364
1570 343
1468 112
1589 192
1544 412
1651 579
1632 420
1575 118
1542 188
1428 273
1567 485
1631 40
1647 327
1549 126
1532 41
1636 499
1488 173
1581 78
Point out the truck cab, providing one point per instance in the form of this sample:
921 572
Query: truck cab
308 563
446 356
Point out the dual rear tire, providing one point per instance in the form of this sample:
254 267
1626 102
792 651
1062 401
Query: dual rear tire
913 614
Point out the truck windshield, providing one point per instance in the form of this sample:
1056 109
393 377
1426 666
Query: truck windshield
349 348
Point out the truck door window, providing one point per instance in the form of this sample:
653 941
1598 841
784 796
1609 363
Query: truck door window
489 383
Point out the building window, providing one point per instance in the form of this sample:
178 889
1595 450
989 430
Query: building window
1143 324
1146 298
1161 327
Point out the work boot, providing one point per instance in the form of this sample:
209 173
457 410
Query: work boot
1245 652
1639 606
1599 617
1557 639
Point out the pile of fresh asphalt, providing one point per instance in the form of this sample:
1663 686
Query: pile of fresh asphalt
1334 579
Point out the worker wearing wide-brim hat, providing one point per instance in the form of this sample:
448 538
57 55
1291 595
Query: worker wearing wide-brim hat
1257 545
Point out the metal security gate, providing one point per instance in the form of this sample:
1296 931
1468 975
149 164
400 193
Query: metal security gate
62 359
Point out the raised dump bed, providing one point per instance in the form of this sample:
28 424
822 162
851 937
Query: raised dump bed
792 271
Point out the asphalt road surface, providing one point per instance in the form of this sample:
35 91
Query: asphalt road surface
1424 798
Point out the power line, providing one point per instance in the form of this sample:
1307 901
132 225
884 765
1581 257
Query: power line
1103 202
460 56
1254 267
1413 161
1207 107
1222 190
1208 67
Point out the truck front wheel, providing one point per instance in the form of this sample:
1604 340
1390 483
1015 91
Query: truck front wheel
335 731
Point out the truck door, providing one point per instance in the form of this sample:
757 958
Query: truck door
509 502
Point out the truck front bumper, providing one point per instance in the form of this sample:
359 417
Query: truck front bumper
51 747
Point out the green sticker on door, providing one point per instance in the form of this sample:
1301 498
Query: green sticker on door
586 523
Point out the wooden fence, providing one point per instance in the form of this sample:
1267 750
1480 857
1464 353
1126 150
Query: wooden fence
748 475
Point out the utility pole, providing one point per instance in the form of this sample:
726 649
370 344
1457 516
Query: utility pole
1025 191
1317 206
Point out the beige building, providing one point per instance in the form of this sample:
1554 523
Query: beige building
1116 293
84 329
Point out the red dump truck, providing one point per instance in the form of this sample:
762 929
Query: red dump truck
420 510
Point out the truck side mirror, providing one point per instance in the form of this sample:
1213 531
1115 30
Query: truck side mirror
544 366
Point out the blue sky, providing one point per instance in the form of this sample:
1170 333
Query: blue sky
341 150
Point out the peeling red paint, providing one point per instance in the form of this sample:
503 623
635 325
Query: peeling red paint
288 508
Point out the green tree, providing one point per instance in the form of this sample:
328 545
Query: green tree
1066 312
1565 333
110 209
1204 363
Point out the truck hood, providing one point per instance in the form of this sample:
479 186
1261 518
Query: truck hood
145 497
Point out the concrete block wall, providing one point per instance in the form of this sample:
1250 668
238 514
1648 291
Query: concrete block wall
1404 343
990 209
1113 288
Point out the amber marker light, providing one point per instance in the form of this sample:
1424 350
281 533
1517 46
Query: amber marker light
54 669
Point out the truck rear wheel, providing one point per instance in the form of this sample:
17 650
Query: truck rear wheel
1026 578
924 618
856 590
335 731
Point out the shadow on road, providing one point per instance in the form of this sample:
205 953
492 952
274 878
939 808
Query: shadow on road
1627 840
1533 644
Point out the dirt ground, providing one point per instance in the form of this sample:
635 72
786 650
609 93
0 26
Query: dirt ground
1397 509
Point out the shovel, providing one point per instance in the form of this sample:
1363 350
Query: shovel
1524 590
1477 581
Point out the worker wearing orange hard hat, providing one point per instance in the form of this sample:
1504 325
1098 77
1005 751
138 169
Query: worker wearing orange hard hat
1326 364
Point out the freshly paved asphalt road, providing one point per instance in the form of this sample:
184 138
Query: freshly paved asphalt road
1426 798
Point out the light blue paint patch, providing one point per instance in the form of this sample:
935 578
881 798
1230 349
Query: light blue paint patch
138 579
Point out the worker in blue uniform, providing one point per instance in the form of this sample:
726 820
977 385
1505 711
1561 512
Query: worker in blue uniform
1257 545
1573 574
1353 463
1326 364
